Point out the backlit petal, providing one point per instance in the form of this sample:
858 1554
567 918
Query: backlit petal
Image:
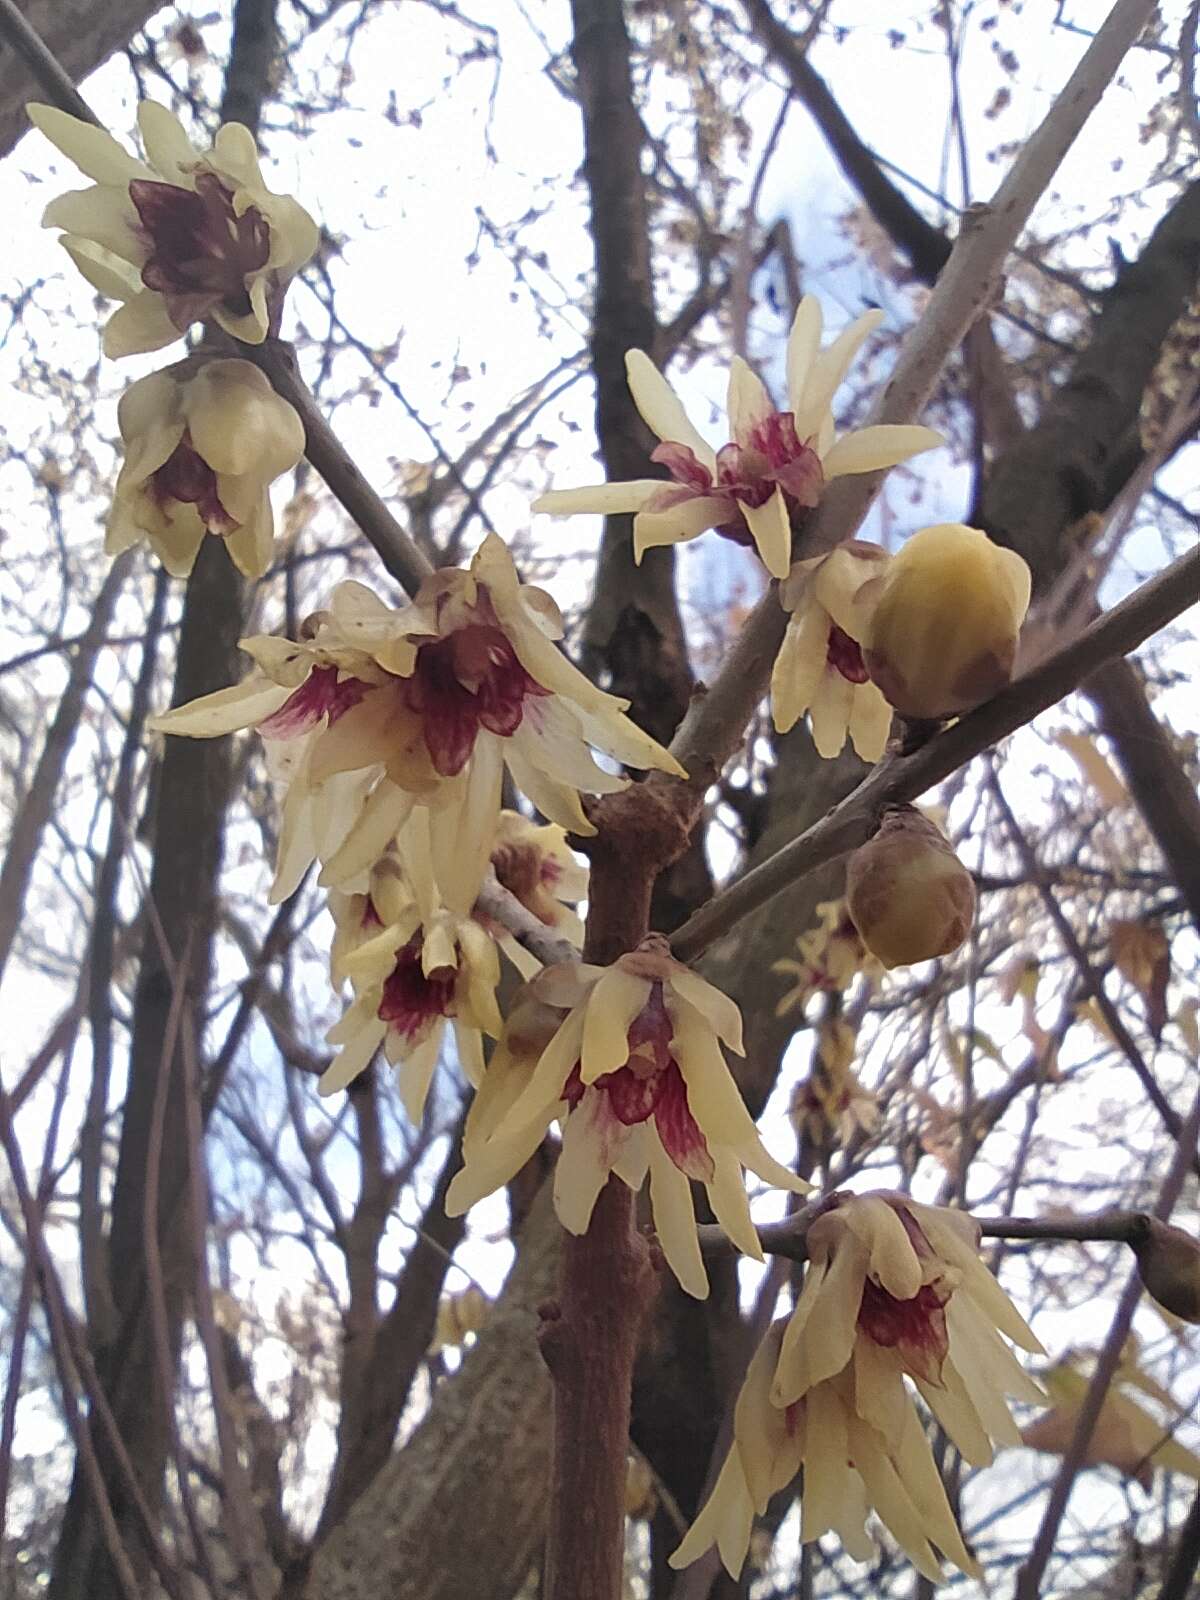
870 449
605 499
661 408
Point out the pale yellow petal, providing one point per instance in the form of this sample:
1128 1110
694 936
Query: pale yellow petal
96 153
675 1220
891 1260
747 402
771 530
729 1202
821 1344
827 371
830 713
678 523
167 146
139 326
870 722
726 1519
240 706
799 669
355 1057
803 343
604 499
871 449
717 1009
592 1137
661 408
613 1005
381 818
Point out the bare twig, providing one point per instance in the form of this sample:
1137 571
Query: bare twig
1031 1574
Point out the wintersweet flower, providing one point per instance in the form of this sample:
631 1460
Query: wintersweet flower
894 1289
184 236
634 1072
416 961
831 956
202 445
820 667
537 866
943 632
777 464
437 697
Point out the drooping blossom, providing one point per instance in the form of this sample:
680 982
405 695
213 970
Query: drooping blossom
184 236
828 958
435 698
202 445
942 634
894 1291
776 465
820 667
416 960
832 1105
635 1074
537 866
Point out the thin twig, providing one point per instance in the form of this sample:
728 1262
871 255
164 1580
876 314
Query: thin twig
1031 1574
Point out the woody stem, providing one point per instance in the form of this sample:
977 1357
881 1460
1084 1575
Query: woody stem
590 1335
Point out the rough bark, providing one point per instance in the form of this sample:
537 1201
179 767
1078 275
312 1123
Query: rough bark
461 1509
194 794
81 33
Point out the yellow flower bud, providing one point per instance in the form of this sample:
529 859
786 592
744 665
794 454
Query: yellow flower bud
1169 1265
908 894
943 636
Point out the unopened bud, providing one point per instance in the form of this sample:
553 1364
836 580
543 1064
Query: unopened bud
908 894
943 635
1169 1265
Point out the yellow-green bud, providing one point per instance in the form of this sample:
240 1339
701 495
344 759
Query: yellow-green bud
908 894
1169 1265
943 635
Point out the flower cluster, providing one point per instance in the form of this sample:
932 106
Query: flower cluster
187 236
419 959
894 1291
628 1059
385 708
775 467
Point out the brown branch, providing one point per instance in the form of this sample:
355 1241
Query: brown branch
1177 1585
1153 771
34 811
333 462
1091 980
789 1237
902 778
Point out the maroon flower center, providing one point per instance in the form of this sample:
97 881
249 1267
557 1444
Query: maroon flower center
186 478
200 252
845 656
890 1322
411 997
320 695
470 680
651 1085
747 473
